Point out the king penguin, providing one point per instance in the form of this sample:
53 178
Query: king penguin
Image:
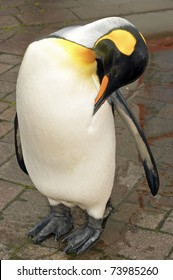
67 89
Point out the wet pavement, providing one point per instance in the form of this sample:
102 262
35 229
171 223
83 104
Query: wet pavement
141 226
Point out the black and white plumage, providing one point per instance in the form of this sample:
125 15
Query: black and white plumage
67 135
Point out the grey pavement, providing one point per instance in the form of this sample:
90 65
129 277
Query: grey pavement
141 226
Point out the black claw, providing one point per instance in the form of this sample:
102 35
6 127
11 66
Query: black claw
58 222
90 243
38 227
39 239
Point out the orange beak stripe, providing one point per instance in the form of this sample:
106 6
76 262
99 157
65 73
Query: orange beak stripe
102 88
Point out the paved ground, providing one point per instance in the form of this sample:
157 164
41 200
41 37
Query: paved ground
141 226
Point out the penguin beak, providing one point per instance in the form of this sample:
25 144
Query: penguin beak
103 92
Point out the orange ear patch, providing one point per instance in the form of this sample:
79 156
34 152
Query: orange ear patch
102 88
123 39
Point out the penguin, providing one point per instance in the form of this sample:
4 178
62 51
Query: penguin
68 87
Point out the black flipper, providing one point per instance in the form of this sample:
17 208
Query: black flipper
145 153
18 147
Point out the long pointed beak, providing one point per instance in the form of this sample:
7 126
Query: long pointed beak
102 94
140 140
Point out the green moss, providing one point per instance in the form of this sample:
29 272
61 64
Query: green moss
37 4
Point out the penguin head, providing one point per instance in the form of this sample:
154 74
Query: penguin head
122 57
111 47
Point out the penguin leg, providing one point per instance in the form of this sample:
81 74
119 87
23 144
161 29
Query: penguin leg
88 234
58 222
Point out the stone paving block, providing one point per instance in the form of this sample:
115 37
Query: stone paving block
4 67
10 98
162 62
25 37
135 6
113 233
147 218
125 212
46 16
143 244
162 155
166 179
20 216
59 4
5 252
156 127
13 233
6 87
8 192
5 127
8 11
6 152
39 252
152 107
6 34
10 75
168 224
91 9
124 140
143 22
8 21
3 106
28 209
9 3
8 138
94 12
9 114
166 112
11 171
159 92
10 59
145 200
127 175
30 6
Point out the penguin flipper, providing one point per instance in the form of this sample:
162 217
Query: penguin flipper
18 146
119 103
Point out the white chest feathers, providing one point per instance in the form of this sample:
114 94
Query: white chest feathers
69 154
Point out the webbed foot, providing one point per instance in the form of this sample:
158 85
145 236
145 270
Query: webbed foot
88 234
84 237
58 222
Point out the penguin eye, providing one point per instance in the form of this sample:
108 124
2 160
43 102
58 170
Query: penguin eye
100 69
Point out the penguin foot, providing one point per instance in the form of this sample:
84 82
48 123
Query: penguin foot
84 237
58 222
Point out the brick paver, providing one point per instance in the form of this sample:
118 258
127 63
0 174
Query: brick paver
141 226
